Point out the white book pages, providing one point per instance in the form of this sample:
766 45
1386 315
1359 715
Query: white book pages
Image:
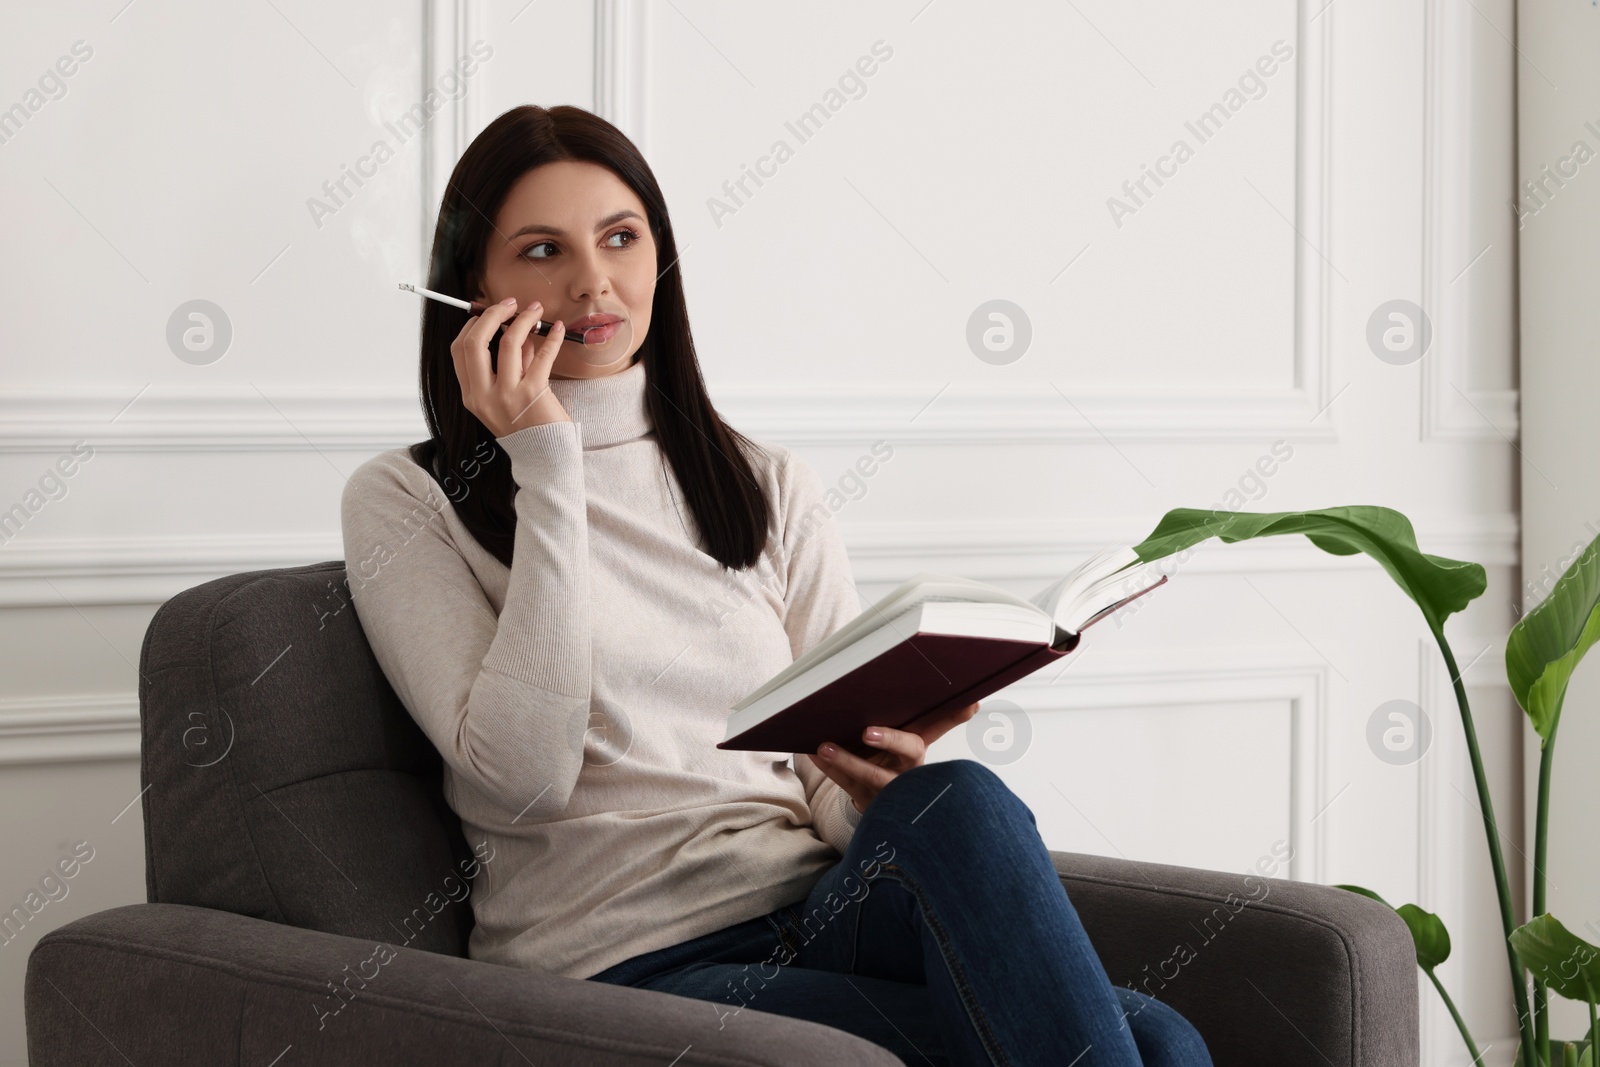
1100 582
919 589
1059 599
1005 622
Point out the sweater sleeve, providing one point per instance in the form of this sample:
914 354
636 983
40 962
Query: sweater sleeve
505 700
819 597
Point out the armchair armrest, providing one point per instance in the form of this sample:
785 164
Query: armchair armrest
1268 969
174 984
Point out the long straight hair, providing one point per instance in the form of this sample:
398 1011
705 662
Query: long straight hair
729 506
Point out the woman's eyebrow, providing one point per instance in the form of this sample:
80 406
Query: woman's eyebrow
616 216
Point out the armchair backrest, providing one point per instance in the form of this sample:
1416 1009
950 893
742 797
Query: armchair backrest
284 779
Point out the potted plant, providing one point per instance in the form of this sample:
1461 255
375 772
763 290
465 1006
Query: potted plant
1542 651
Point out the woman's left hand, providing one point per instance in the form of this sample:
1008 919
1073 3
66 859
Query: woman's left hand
901 750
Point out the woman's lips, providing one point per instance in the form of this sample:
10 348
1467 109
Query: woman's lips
596 329
599 335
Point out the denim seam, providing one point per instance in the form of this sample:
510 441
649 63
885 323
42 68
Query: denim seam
855 932
777 927
957 975
783 933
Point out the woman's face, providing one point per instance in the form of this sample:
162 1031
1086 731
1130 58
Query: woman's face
574 237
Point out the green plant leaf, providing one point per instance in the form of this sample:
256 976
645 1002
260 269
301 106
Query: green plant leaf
1428 932
1547 644
1583 1052
1365 892
1428 935
1437 585
1561 959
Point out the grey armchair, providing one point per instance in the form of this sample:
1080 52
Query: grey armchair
306 903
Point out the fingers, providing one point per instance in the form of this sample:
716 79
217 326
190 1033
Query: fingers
858 796
543 350
534 361
511 364
501 389
900 750
491 320
909 746
853 773
470 349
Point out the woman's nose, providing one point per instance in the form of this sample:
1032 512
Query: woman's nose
590 280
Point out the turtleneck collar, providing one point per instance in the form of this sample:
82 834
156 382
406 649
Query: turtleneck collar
611 409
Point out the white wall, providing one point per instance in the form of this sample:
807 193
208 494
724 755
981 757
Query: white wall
1558 201
1173 346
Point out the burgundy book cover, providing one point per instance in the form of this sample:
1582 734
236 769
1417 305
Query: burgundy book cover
921 677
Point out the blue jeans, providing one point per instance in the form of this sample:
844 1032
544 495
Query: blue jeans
943 935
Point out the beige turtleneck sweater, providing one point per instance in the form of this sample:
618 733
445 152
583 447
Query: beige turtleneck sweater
577 697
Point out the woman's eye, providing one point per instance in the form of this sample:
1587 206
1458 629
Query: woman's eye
531 253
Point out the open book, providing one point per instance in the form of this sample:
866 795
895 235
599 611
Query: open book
934 644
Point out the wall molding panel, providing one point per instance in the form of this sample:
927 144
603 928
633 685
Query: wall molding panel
1451 408
107 571
1025 549
69 728
1193 679
301 421
154 420
449 29
241 420
148 570
622 67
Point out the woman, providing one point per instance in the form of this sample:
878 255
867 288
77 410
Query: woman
614 568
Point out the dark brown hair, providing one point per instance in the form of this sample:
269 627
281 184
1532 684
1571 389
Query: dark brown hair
730 509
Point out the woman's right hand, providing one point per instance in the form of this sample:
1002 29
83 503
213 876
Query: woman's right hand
517 394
